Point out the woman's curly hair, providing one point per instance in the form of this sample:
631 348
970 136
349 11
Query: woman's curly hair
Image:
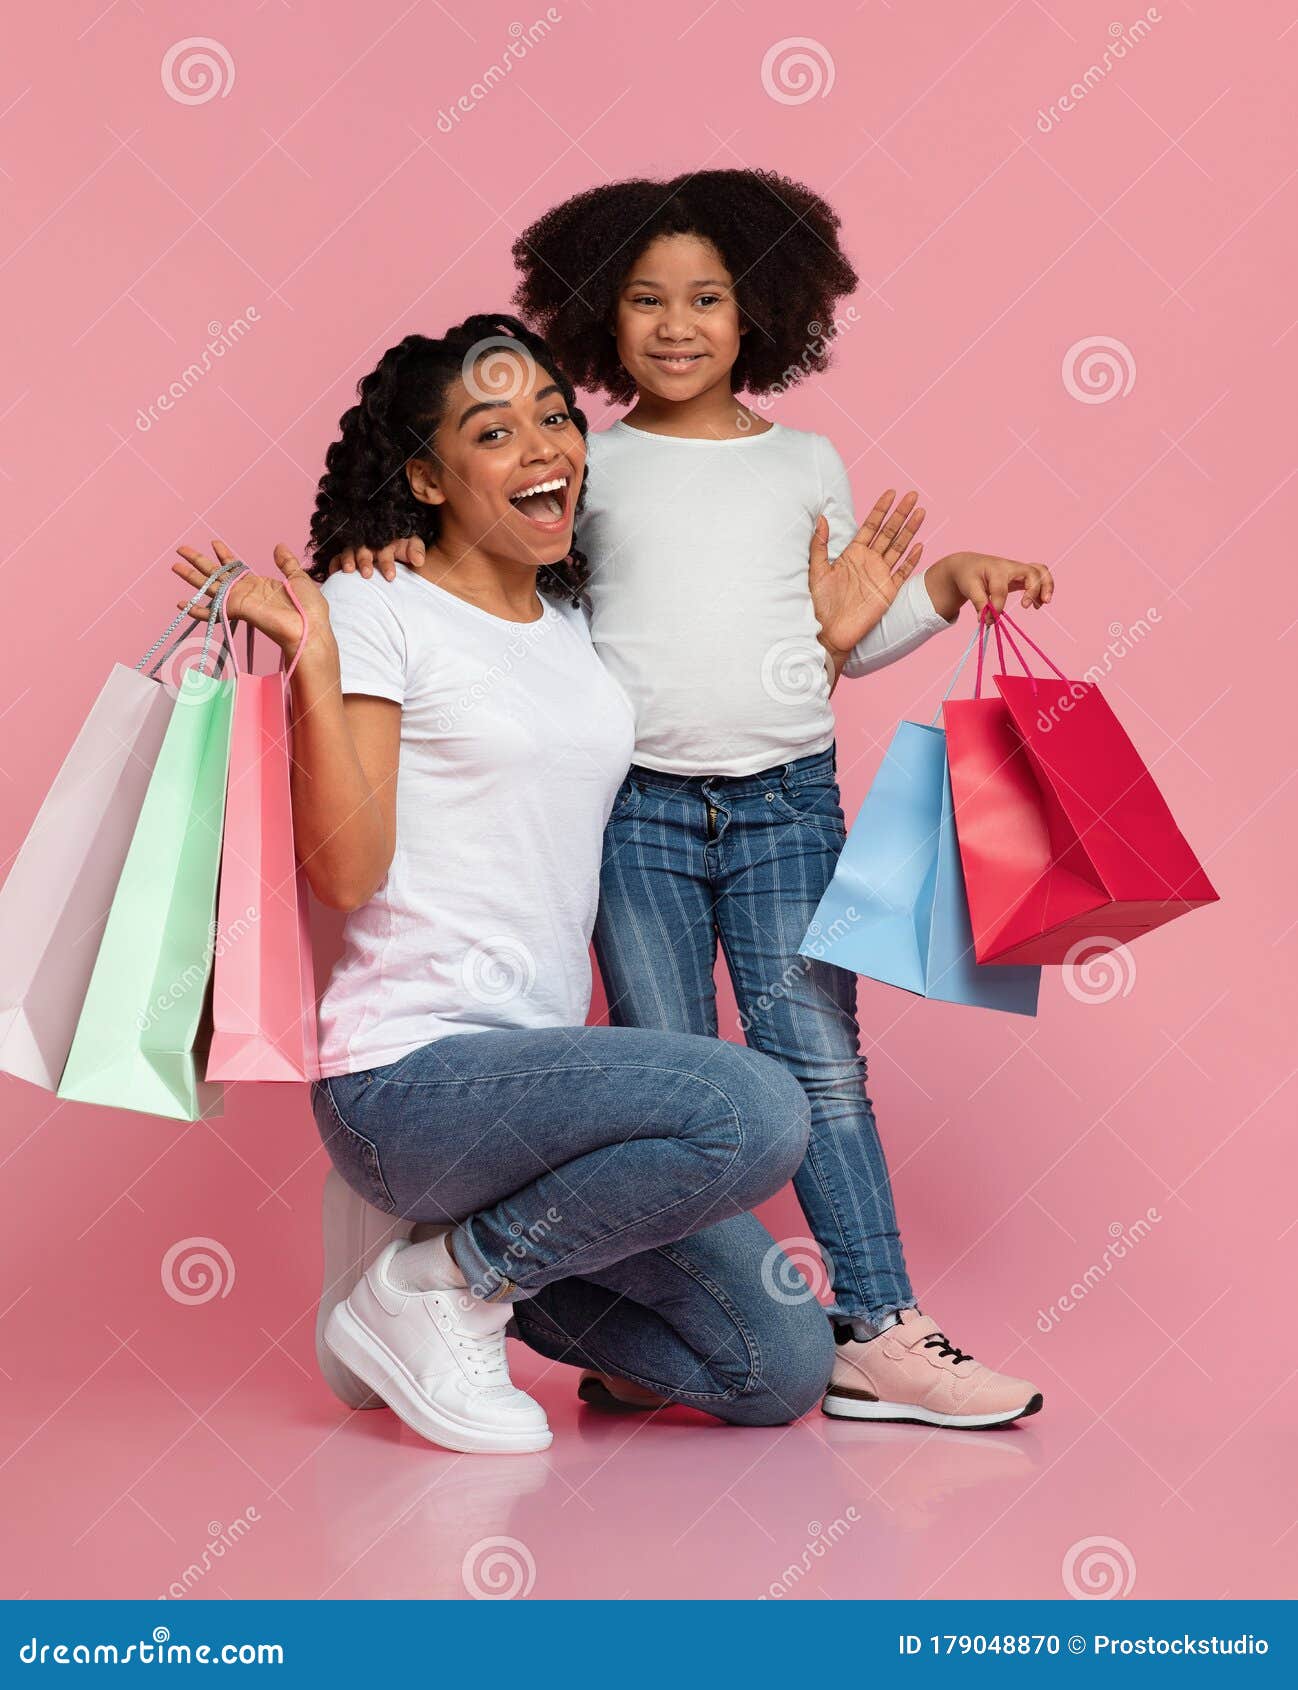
364 498
778 239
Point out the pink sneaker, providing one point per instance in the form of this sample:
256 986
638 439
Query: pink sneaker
910 1372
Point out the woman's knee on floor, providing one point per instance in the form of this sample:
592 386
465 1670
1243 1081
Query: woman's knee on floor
796 1356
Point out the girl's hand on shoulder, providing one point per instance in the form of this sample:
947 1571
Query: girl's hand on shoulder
983 579
361 560
259 599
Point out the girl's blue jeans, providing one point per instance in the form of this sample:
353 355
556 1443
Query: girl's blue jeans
599 1180
744 860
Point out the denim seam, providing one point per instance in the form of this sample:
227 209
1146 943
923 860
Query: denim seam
583 1068
368 1142
812 1162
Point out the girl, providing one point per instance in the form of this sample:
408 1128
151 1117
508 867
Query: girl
677 296
457 748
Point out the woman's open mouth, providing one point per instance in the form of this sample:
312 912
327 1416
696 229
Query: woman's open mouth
544 503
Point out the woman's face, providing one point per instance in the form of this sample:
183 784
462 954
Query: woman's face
509 462
678 324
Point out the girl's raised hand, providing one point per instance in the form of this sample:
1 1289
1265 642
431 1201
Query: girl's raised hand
258 599
851 593
362 559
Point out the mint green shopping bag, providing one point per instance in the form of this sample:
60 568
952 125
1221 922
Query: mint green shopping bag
141 1037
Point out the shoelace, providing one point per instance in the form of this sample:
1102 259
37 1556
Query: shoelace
944 1347
485 1354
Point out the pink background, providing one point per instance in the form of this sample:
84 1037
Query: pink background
318 191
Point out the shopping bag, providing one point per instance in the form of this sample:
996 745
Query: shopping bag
1066 842
263 982
140 1038
55 901
895 908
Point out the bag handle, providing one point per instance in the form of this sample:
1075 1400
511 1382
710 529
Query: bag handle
184 616
978 632
997 619
218 611
301 644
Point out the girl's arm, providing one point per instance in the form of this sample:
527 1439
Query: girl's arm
345 750
932 601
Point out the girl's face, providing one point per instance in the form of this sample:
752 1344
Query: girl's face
678 324
508 463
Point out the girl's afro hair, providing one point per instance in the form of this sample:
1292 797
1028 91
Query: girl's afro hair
778 239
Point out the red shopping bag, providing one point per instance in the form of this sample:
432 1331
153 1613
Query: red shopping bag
1065 839
263 982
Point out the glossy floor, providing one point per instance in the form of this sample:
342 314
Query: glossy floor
132 1484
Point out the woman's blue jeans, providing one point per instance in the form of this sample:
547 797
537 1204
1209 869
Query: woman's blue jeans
690 860
600 1181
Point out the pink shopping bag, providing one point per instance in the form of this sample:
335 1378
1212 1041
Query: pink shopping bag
263 982
1065 839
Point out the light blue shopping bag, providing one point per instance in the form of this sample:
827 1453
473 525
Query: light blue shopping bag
895 909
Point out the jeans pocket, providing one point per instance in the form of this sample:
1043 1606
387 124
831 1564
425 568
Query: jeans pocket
628 800
355 1156
813 804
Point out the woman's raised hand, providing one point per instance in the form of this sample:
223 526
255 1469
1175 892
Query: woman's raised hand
259 599
410 550
851 593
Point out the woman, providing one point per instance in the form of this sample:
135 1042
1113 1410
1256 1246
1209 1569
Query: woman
457 748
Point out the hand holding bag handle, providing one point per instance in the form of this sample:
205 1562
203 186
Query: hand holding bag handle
995 620
229 569
229 636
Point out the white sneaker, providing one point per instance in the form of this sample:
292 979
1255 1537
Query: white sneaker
437 1358
352 1232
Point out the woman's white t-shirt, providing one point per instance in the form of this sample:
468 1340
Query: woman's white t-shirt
700 604
514 740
